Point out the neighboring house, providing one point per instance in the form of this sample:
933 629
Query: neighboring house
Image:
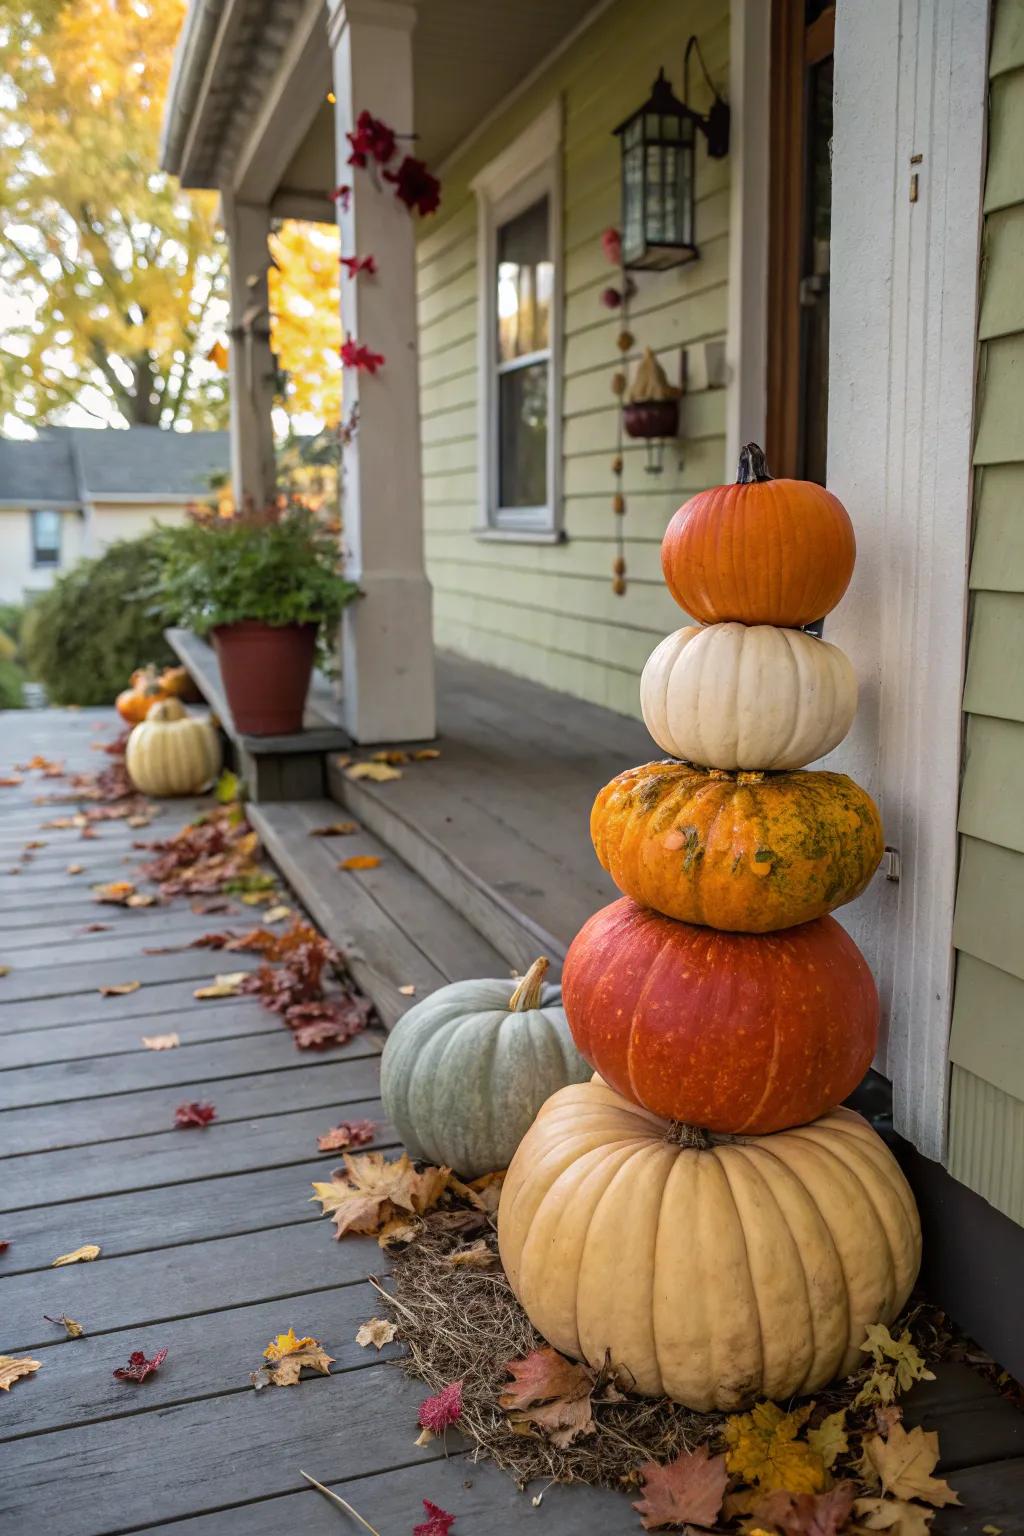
71 491
832 314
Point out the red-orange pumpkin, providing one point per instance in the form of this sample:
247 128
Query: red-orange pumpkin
761 551
733 1032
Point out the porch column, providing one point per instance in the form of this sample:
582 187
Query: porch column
250 360
387 635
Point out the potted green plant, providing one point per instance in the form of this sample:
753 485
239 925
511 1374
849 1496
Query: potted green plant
266 587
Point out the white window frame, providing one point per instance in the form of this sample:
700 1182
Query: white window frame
34 547
527 170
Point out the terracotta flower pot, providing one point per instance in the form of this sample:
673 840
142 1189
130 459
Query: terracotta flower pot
266 674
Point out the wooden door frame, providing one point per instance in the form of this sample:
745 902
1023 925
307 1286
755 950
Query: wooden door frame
794 48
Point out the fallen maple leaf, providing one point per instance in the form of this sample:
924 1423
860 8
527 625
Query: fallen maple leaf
286 1344
379 772
350 1133
483 1193
335 829
82 1255
95 928
903 1464
437 1523
806 1514
12 1369
896 1516
276 914
71 1328
687 1490
764 1450
116 892
76 869
193 1114
906 1357
141 899
10 782
120 989
227 985
442 1409
829 1438
138 1367
409 990
161 1042
366 1193
4 1245
5 970
377 1332
426 754
542 1375
886 1415
360 861
289 1356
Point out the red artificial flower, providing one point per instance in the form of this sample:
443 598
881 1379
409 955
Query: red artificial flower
444 1408
437 1523
343 196
372 140
355 264
415 186
355 355
193 1114
611 244
138 1367
611 298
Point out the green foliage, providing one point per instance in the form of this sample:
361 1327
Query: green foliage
12 616
84 637
11 694
279 568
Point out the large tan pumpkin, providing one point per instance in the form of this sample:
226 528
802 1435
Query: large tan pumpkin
747 696
171 752
749 1269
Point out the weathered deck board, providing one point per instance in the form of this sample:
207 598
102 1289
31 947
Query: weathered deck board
73 1042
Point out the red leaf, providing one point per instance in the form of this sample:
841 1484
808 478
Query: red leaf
194 1114
542 1375
350 1133
415 186
355 264
343 196
806 1514
355 355
437 1412
138 1367
437 1523
688 1490
372 140
4 1246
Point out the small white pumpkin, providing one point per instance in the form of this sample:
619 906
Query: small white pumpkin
747 696
464 1072
171 752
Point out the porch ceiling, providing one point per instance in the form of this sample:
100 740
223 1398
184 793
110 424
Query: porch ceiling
237 58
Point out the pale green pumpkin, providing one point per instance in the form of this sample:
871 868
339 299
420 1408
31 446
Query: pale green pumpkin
465 1071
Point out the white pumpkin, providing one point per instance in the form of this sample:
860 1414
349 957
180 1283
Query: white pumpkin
464 1072
171 752
747 696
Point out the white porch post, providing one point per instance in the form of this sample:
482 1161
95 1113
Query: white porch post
387 638
250 360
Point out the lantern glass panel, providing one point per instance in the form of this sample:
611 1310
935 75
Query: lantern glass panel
633 203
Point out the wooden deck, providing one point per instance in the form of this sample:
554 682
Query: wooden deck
210 1245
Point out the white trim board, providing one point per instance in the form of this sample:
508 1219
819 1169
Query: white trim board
746 344
910 79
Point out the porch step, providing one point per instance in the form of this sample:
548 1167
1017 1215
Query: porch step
273 767
391 927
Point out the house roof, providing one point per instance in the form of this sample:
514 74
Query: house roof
74 465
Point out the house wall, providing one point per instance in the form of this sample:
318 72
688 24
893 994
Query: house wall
986 1121
548 611
109 521
18 576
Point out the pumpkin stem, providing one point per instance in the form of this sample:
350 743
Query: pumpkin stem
753 466
527 994
679 1134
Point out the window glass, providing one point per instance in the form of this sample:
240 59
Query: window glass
525 283
45 537
523 434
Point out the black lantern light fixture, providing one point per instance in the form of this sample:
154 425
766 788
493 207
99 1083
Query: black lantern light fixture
658 149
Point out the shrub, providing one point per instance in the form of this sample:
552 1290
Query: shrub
84 637
11 693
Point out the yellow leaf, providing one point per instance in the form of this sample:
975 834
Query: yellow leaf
360 861
287 1344
829 1439
408 990
369 1192
426 754
276 914
71 1328
286 1372
79 1256
896 1516
76 869
5 970
161 1042
12 1369
764 1450
379 772
376 1332
906 1357
391 755
116 892
141 900
227 985
226 788
120 989
880 1388
903 1464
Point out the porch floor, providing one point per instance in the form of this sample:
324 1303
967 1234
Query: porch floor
210 1245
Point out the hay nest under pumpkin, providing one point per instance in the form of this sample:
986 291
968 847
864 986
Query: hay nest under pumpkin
463 1323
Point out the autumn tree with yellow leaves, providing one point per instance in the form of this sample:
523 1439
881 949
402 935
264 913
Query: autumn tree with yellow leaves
113 279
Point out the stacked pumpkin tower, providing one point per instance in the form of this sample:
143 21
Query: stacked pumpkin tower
702 1212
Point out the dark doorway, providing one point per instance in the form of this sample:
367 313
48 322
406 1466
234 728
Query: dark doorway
803 34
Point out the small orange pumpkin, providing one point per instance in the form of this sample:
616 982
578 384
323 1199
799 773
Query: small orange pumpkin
175 683
746 852
762 551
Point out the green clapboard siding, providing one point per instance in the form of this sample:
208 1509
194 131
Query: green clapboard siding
547 611
986 1113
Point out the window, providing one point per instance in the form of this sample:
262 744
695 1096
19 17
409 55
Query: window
519 352
45 536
